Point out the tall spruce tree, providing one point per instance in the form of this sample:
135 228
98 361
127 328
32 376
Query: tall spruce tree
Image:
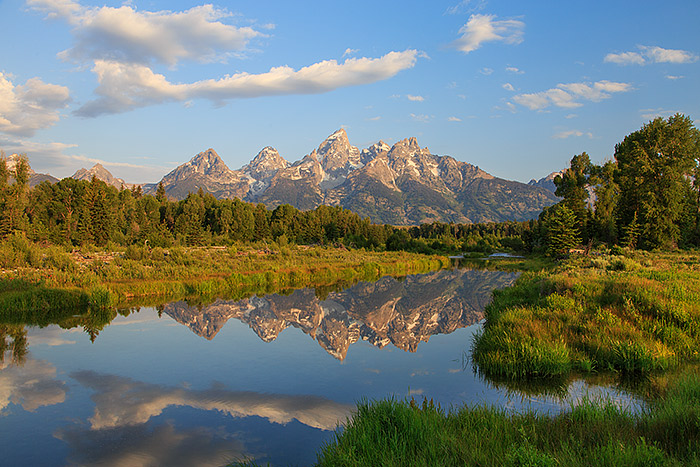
561 231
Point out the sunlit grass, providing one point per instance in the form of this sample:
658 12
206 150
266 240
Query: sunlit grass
634 315
590 433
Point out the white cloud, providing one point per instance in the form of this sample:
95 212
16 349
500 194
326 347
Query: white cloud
124 34
350 51
572 133
515 70
123 86
374 119
486 71
674 77
485 28
650 114
570 95
26 108
454 119
651 54
420 117
508 87
415 98
468 6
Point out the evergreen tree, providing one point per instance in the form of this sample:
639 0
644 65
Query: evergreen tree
561 231
572 186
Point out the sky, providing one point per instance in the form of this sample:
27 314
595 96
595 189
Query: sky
516 88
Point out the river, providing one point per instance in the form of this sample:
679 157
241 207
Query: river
266 378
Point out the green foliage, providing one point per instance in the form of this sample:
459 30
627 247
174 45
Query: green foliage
562 233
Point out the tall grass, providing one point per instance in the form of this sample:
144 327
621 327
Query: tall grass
595 315
104 278
592 433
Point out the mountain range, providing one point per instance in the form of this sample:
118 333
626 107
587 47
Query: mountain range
403 184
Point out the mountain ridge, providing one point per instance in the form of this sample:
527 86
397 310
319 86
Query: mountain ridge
403 184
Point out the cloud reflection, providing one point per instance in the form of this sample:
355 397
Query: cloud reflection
31 385
122 401
139 445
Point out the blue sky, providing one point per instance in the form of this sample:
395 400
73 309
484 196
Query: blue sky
514 87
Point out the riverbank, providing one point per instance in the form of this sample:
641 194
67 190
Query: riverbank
593 433
634 314
43 277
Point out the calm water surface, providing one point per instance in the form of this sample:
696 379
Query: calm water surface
265 378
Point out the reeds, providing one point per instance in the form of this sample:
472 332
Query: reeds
592 433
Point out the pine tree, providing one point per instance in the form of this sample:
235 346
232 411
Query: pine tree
561 231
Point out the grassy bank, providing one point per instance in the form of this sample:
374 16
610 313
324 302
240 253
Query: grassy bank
637 313
391 433
36 277
632 314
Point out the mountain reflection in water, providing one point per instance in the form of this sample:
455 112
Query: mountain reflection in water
402 312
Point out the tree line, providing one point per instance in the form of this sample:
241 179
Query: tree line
648 196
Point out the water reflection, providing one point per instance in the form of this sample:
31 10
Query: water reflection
401 312
122 401
31 385
144 445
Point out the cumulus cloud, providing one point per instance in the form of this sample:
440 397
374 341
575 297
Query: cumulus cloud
486 28
572 133
122 401
515 70
31 106
570 95
508 87
32 386
124 86
454 119
651 54
124 34
415 98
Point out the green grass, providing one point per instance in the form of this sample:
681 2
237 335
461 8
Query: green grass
107 278
630 315
593 433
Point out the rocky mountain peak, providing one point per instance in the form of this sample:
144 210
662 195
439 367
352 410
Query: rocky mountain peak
336 153
99 172
205 164
407 147
266 163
